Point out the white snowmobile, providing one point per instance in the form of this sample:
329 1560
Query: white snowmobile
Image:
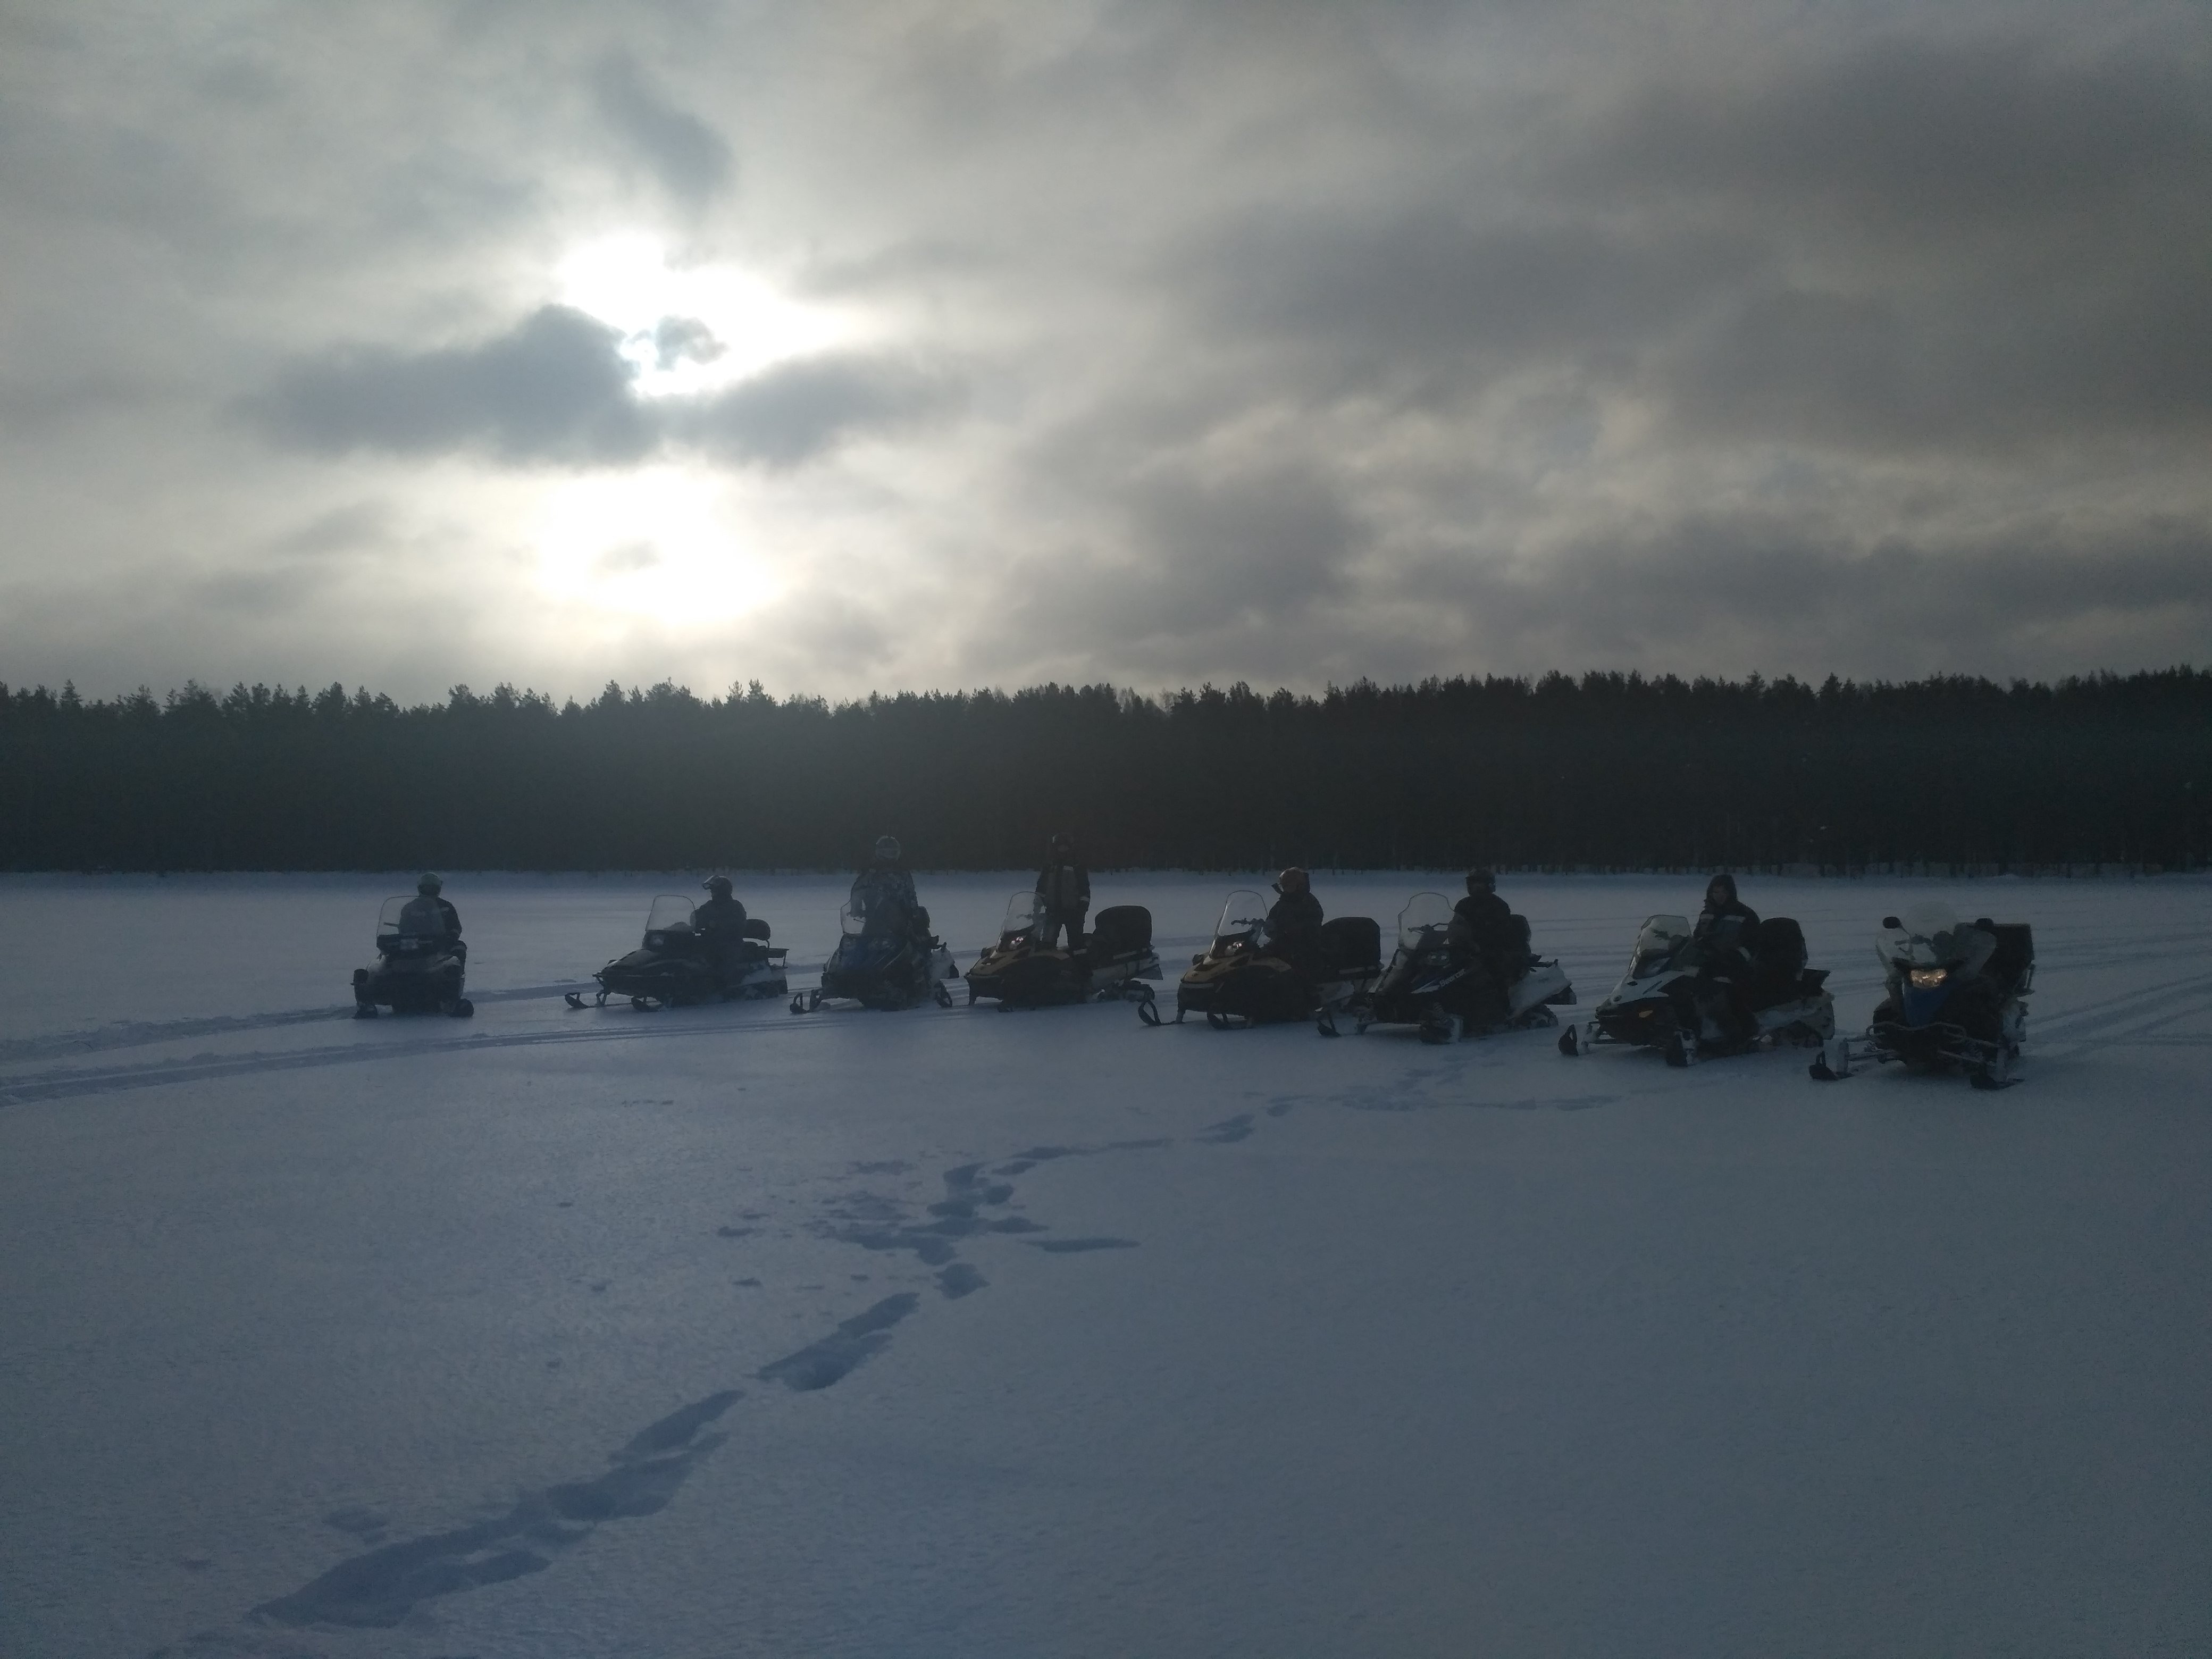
1687 999
1448 991
1952 1002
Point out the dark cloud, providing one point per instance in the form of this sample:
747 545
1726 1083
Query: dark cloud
794 411
691 160
1449 300
1913 135
683 340
556 391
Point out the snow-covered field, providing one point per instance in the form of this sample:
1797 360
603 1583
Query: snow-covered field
717 1331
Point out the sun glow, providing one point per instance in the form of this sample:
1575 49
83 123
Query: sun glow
655 545
691 328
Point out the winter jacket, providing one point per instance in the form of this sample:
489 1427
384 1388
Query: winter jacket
720 919
1486 922
1294 932
1064 888
428 914
883 897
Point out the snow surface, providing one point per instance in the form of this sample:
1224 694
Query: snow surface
720 1332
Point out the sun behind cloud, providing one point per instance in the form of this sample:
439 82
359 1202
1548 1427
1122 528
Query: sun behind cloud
691 328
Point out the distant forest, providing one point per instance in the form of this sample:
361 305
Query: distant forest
1609 771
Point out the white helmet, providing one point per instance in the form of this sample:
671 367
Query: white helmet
887 848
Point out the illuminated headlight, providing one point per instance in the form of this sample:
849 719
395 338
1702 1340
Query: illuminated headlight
1927 979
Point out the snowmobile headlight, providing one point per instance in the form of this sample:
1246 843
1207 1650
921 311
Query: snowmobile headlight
1927 979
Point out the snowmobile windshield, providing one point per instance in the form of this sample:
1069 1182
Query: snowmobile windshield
854 917
671 913
1424 921
1244 919
410 915
1023 912
1658 943
1927 936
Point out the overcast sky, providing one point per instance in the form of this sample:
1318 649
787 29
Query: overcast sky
850 346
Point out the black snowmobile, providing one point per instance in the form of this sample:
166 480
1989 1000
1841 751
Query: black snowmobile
1953 999
888 960
1018 972
678 964
1239 979
1447 992
1689 1000
420 967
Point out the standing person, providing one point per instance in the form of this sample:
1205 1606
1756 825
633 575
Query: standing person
1063 890
720 922
883 893
429 913
1294 925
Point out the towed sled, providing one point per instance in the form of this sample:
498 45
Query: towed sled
420 967
1691 1001
886 960
1447 993
677 964
1952 1000
1241 979
1019 972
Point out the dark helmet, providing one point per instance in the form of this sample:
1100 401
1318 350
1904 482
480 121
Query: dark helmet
1293 880
429 883
1723 885
1062 841
718 885
1481 881
887 848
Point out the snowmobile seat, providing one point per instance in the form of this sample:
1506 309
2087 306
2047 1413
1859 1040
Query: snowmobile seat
2012 962
1121 930
1520 950
1778 951
1352 946
755 928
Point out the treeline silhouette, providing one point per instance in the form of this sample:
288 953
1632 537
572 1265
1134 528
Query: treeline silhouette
1609 771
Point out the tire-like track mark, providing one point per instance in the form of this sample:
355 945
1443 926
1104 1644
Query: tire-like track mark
62 1085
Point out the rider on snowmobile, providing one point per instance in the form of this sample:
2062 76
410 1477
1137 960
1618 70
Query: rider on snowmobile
1482 931
883 893
720 922
1294 924
1726 923
1728 927
428 912
1482 922
1063 890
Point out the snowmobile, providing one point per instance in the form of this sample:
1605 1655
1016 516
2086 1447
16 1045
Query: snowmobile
1687 999
1446 992
1114 961
1953 999
1239 980
676 964
419 967
888 960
